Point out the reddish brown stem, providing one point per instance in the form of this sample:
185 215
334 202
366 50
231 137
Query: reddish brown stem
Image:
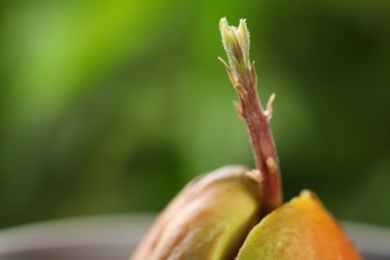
243 76
263 146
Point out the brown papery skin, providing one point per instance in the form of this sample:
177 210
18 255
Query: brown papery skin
209 219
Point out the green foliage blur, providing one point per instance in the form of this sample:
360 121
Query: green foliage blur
112 106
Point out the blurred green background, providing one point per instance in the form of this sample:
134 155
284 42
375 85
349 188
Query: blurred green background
112 106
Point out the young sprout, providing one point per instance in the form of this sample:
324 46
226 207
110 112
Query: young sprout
242 74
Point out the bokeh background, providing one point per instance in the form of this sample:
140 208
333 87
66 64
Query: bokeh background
112 106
